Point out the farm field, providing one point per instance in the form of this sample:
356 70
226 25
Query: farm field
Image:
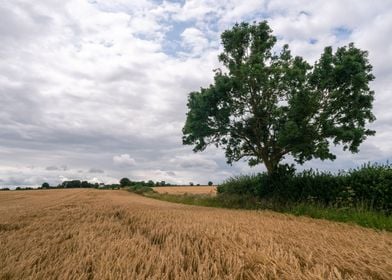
187 189
97 234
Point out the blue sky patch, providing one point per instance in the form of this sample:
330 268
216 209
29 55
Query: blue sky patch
172 43
342 32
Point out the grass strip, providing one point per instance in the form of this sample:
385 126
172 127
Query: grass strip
359 216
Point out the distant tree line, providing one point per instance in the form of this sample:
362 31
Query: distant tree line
124 182
73 184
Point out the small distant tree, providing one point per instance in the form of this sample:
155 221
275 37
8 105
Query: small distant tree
191 184
210 183
150 183
76 184
45 186
124 182
72 184
86 184
163 183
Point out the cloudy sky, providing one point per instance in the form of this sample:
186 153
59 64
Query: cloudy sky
96 90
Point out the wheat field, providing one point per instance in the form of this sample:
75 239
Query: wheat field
210 190
96 234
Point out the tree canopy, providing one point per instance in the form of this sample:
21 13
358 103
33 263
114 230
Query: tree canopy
265 104
125 182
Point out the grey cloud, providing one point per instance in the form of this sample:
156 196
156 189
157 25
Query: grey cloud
22 180
134 73
51 168
67 98
194 161
96 170
124 160
11 25
369 152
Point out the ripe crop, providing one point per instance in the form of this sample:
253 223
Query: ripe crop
96 234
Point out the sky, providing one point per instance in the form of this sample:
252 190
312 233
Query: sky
96 90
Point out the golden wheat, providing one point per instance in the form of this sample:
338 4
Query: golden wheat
93 234
211 190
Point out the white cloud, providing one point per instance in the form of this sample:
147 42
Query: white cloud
81 81
96 170
194 161
124 160
194 39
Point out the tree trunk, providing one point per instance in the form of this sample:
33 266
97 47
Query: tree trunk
271 162
271 166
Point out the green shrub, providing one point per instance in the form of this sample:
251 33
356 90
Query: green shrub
369 186
140 188
375 183
241 185
124 182
358 215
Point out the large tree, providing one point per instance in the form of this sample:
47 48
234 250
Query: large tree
265 105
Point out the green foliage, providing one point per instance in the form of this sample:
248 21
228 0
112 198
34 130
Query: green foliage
124 182
140 188
224 200
72 184
108 187
85 184
264 106
358 215
369 186
76 184
150 183
24 189
210 183
241 185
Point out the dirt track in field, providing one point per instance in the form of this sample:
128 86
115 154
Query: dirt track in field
95 234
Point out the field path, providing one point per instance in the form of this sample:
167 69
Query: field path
96 234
